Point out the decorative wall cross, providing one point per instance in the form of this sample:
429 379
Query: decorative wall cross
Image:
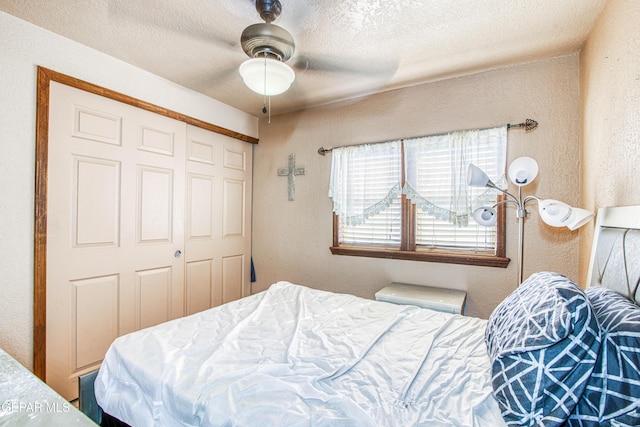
290 172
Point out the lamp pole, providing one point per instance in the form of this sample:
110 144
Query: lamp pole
521 214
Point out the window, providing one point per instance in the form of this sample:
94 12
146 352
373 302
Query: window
409 199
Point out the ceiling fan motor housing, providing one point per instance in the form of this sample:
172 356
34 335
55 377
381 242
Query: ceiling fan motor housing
267 39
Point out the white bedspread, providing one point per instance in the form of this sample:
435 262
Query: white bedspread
294 356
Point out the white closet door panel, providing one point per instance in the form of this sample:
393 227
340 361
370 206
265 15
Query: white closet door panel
116 209
95 321
97 126
233 203
233 276
156 141
96 202
155 205
235 157
199 286
153 296
201 148
200 206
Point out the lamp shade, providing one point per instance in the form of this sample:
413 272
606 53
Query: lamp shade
256 72
477 178
559 214
578 218
485 216
523 170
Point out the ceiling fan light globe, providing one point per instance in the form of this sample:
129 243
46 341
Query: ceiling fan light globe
278 78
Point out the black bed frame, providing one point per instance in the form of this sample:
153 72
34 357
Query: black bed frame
89 406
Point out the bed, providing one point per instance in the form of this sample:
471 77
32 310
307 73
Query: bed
550 354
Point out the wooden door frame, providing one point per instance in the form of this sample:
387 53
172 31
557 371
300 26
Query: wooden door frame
45 77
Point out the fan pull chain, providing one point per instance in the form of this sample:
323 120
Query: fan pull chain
265 109
264 100
264 91
264 87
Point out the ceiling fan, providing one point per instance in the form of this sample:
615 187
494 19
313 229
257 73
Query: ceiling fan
268 46
265 40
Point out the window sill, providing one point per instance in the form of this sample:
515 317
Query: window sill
448 258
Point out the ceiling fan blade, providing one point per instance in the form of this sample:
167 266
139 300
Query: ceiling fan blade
223 77
363 66
173 19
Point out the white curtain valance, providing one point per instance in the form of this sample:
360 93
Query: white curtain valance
365 179
436 171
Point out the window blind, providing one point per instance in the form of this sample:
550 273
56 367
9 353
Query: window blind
366 183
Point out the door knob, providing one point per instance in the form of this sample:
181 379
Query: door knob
178 253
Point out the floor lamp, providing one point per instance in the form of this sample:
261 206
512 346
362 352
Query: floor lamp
521 172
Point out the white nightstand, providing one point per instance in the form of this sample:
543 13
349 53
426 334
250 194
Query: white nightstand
439 299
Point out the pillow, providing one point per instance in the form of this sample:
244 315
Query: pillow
543 343
612 396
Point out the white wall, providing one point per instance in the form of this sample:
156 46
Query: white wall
24 47
610 87
291 240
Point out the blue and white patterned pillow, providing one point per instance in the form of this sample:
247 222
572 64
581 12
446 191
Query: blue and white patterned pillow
612 396
543 343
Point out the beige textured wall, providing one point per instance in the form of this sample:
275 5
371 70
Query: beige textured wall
291 239
610 110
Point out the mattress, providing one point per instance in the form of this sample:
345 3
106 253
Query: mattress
295 356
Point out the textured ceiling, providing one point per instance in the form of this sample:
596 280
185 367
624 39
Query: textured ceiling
344 48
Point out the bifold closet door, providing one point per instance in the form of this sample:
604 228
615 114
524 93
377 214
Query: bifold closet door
115 234
148 219
218 219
